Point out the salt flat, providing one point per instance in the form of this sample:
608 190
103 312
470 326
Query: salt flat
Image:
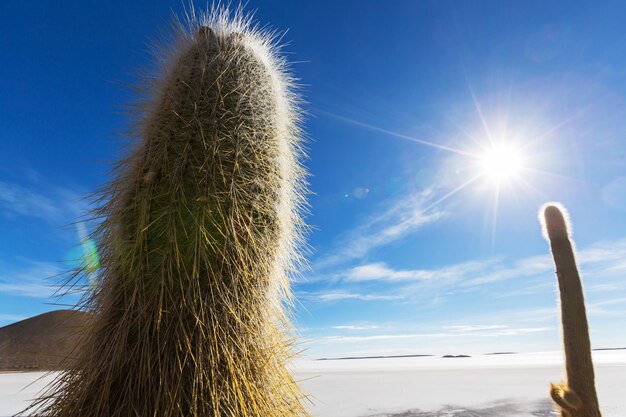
485 385
480 386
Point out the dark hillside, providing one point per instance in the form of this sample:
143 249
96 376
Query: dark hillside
40 342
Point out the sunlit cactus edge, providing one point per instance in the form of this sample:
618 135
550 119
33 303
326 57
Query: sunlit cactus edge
199 234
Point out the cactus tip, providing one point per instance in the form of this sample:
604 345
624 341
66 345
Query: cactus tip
554 220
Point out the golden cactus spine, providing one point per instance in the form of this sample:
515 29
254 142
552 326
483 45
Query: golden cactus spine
577 396
199 235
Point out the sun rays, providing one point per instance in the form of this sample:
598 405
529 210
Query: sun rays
499 155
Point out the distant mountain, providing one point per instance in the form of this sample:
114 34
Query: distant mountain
40 342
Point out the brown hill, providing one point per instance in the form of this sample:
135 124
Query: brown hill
40 342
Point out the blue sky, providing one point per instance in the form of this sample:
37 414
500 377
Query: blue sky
409 251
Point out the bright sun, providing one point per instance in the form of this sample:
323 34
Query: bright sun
501 163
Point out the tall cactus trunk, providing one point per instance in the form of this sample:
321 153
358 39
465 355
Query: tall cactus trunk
577 396
199 235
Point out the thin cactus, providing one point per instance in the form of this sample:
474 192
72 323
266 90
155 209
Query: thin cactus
577 396
200 231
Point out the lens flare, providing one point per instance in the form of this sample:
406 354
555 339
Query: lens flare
90 260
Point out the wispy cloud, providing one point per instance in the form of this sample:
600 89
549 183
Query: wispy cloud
36 280
495 330
603 257
340 295
377 337
352 327
545 286
49 203
524 317
599 308
510 330
380 271
11 317
514 329
403 216
447 332
469 328
606 287
520 268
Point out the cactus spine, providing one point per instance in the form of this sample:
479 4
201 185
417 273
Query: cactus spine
199 235
577 396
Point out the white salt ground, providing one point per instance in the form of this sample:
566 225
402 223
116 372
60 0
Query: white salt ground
481 386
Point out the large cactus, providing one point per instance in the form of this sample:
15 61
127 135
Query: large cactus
199 233
577 396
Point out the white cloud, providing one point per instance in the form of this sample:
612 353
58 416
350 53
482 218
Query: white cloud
533 265
614 193
520 317
452 333
599 308
356 327
380 271
52 204
547 286
359 339
476 334
36 280
23 201
492 330
28 289
605 287
465 328
602 252
11 317
397 220
619 266
596 260
337 296
516 331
